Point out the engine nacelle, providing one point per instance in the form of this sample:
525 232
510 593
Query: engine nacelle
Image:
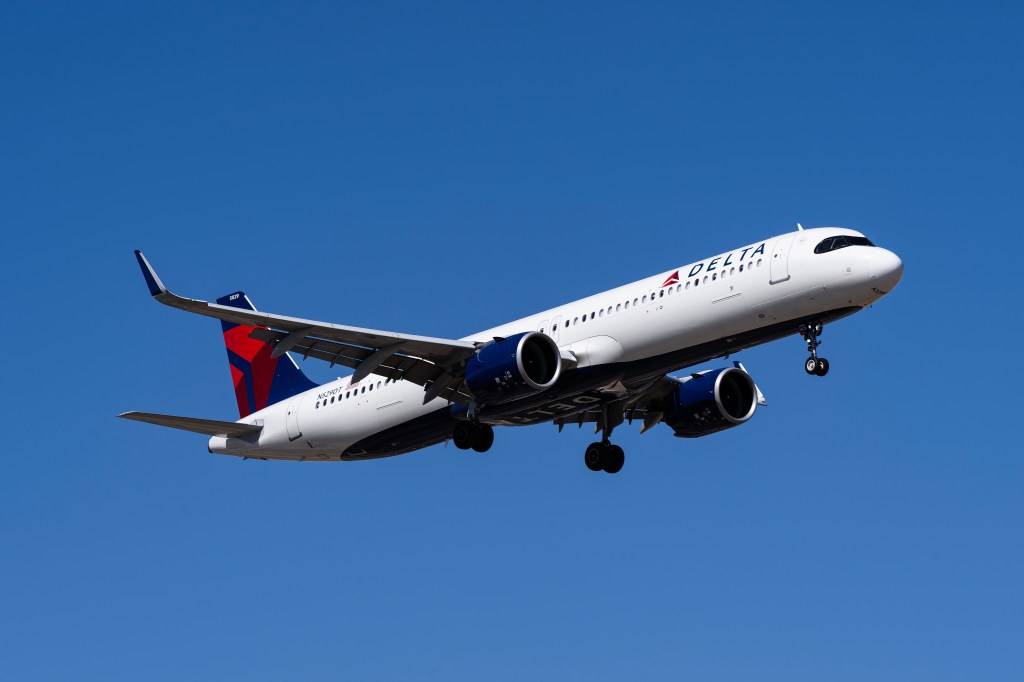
712 402
513 368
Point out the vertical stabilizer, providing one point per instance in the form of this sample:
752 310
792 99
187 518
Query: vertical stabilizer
258 379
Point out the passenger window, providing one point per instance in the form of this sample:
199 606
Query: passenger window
318 404
567 324
600 313
714 277
705 279
687 284
618 307
332 400
635 301
363 389
645 298
591 315
627 305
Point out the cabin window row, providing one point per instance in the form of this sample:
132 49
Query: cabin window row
351 394
695 282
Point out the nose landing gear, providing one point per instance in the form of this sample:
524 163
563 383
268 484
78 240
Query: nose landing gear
813 365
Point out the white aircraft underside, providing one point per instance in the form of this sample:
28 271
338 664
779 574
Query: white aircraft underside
601 360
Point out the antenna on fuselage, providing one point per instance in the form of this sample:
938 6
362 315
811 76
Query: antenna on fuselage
800 227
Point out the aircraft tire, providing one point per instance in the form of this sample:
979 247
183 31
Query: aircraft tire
616 458
595 456
484 438
811 366
822 368
464 435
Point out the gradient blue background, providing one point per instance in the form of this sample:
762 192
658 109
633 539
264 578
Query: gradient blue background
440 169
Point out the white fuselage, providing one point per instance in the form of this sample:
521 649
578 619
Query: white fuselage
758 285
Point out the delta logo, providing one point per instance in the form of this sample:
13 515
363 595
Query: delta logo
672 279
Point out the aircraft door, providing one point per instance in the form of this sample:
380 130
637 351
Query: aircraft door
292 419
556 326
780 260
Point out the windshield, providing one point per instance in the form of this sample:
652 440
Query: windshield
840 242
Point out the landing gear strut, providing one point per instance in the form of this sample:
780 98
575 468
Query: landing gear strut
814 364
603 455
473 435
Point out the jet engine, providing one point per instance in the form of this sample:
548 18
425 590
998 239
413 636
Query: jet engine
707 403
513 368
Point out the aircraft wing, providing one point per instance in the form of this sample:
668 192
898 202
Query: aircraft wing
422 360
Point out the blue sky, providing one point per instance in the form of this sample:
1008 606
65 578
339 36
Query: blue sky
440 169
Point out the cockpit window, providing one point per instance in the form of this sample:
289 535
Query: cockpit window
842 241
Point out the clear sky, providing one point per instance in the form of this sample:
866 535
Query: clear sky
439 168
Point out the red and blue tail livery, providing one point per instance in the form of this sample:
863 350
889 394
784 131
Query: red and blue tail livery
258 378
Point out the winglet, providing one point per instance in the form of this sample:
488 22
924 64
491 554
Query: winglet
156 287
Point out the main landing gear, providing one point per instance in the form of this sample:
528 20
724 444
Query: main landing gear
814 365
603 456
473 435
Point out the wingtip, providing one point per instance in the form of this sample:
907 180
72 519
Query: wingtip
156 287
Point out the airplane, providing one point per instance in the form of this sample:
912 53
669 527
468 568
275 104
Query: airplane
602 360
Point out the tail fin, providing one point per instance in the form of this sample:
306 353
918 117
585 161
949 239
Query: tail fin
259 379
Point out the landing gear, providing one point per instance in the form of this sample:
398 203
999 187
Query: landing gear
603 456
473 435
814 365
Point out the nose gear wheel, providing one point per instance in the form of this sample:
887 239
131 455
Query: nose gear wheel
813 365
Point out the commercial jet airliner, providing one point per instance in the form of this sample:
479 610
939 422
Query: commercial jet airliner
602 360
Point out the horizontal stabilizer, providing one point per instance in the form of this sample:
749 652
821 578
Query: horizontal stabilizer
210 427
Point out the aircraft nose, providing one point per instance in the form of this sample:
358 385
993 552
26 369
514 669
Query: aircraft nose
886 269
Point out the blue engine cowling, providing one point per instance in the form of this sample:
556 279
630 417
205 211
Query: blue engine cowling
513 368
712 402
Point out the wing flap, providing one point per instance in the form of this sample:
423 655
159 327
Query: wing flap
209 427
397 367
